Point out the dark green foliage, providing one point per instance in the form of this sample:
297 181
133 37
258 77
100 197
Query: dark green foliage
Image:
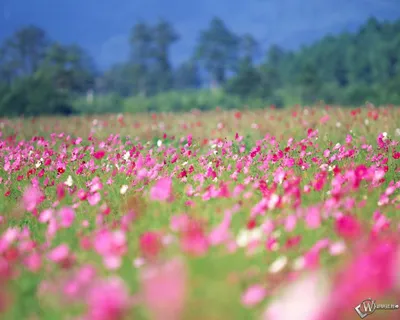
39 76
217 50
34 96
105 103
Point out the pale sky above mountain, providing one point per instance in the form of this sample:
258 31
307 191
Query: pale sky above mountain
102 26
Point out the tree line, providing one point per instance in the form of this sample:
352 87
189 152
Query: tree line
41 76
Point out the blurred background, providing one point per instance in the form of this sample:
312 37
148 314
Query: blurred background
103 56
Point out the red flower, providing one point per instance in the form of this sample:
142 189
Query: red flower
251 224
60 170
99 154
150 244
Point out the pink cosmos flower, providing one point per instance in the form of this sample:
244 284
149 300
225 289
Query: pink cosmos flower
302 300
108 300
372 273
162 190
60 255
221 232
348 227
94 199
193 240
253 295
150 244
111 246
32 198
99 154
67 216
164 289
313 219
33 262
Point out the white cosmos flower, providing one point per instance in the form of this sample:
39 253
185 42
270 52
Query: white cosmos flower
276 234
247 236
138 262
301 300
299 264
323 166
159 143
126 156
337 248
278 264
338 124
123 189
273 201
69 182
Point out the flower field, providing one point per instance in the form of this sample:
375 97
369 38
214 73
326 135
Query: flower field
289 214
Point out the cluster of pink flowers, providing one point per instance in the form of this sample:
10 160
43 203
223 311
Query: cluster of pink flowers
294 201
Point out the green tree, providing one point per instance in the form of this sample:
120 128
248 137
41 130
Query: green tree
120 78
309 82
187 76
41 76
24 51
33 96
164 36
69 67
217 50
142 53
247 80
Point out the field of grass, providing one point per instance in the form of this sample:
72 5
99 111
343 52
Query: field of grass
286 214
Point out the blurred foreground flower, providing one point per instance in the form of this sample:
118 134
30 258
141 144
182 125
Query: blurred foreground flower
164 289
162 190
302 300
32 198
108 300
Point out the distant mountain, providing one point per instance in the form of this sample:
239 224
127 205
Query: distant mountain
102 26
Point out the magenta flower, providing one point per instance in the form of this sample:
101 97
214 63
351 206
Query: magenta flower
150 244
348 227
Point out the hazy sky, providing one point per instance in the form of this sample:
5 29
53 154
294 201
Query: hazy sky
102 26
